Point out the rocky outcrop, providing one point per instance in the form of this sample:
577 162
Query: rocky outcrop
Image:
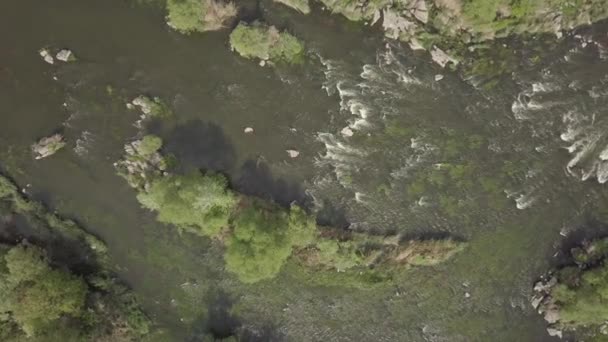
452 25
141 163
48 146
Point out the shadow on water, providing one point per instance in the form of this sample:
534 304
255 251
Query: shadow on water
332 216
256 179
200 145
73 254
591 230
220 324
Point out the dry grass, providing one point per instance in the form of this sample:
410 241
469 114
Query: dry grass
218 14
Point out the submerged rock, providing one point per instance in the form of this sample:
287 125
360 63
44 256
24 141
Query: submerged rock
48 146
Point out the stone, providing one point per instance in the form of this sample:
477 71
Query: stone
292 153
415 44
536 300
347 132
65 55
420 11
552 314
376 17
442 58
467 295
48 146
262 63
438 77
248 130
554 332
394 24
46 56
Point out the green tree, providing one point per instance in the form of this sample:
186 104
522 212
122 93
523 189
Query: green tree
34 295
197 201
263 238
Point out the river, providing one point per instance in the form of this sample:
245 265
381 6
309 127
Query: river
507 168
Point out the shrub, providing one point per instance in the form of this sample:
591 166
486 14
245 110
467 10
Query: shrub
189 16
34 294
263 239
149 145
266 43
194 201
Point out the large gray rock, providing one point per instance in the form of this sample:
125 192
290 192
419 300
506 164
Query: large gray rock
65 55
442 58
394 24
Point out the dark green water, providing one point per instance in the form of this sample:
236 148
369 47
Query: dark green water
427 157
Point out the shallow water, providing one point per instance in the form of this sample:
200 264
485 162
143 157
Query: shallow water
507 168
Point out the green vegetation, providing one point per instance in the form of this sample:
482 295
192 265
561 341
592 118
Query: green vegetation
266 43
355 10
37 215
189 16
149 145
196 202
260 236
142 162
43 299
263 238
34 295
154 107
576 295
48 146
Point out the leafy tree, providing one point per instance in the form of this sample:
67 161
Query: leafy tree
197 201
33 294
266 42
263 238
185 15
189 16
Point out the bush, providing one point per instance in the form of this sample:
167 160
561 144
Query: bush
189 16
149 145
266 43
263 239
34 294
194 201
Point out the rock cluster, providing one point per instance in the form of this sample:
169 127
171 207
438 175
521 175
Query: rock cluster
48 146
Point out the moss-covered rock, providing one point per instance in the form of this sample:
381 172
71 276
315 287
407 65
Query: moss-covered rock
267 43
48 146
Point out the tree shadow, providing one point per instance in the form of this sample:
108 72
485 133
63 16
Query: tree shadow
200 145
256 179
331 216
